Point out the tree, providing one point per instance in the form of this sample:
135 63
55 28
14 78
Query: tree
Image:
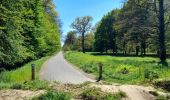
89 42
27 31
163 20
70 40
162 31
105 35
82 25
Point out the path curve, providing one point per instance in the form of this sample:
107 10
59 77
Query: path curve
58 69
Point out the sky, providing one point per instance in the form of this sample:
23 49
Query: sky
70 9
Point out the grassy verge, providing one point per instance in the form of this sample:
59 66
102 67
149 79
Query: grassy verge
19 76
129 70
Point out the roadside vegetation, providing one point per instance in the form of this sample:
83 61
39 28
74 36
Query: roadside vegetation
98 94
126 70
29 34
21 75
29 30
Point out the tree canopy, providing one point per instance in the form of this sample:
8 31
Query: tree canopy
29 29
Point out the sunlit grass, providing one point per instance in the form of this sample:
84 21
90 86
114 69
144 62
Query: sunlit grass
23 73
130 70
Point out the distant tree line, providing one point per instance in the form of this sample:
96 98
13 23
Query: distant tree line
139 27
29 29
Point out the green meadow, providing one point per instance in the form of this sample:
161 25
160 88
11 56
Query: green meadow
126 70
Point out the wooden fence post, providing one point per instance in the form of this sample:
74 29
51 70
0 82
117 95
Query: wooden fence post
100 72
33 71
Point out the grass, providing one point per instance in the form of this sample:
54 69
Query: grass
23 73
53 95
129 70
31 85
98 94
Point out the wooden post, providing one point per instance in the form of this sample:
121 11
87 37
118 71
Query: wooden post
33 71
100 72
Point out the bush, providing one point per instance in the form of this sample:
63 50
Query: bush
52 95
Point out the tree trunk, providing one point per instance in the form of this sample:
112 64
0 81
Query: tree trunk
144 51
141 51
162 46
83 49
143 48
137 50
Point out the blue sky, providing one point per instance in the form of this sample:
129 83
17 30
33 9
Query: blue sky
70 9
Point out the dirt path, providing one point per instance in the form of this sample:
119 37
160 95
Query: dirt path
19 94
58 69
133 92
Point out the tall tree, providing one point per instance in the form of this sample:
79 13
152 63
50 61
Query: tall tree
27 31
162 31
105 35
82 25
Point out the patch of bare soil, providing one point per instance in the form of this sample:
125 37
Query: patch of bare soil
134 92
19 94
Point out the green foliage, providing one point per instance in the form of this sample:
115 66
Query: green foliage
98 94
73 42
5 85
134 29
52 95
129 70
27 31
105 33
82 25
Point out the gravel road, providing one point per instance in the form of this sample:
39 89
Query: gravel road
58 69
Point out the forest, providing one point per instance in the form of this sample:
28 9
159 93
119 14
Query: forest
29 30
139 28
